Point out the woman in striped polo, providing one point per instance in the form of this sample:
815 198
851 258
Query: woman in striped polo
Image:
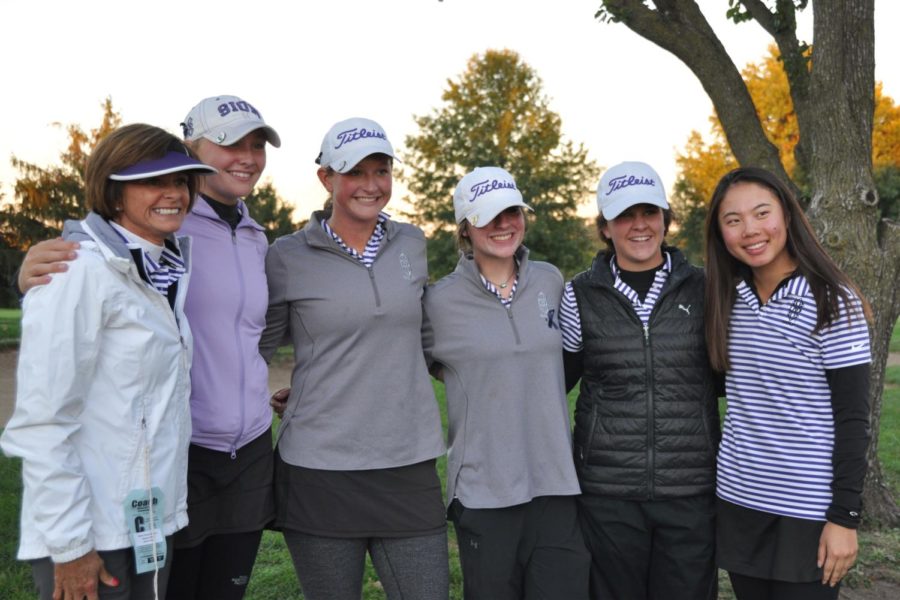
789 330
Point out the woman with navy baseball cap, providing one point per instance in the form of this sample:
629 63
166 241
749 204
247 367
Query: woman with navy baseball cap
230 497
495 342
101 420
789 329
646 418
355 467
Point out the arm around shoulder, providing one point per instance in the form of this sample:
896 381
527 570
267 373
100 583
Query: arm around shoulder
42 260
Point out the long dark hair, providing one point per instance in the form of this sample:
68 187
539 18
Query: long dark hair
829 285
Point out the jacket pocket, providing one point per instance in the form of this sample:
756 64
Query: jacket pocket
584 449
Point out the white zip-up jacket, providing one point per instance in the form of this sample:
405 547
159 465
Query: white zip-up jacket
103 377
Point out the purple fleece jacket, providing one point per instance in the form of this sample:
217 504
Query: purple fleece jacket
226 307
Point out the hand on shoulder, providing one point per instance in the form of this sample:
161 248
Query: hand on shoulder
44 259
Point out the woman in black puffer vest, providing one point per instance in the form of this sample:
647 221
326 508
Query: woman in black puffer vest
646 420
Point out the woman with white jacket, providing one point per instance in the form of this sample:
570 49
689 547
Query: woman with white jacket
102 421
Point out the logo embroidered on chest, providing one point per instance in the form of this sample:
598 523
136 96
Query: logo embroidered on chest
547 313
686 309
405 268
796 309
543 305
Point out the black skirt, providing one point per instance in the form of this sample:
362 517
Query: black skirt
228 495
768 546
395 502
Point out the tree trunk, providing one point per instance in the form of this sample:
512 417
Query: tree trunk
835 117
844 203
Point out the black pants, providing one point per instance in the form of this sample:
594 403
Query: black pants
533 550
216 569
754 588
653 550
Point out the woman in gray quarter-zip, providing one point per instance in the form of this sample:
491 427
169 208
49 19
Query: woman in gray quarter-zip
495 342
355 469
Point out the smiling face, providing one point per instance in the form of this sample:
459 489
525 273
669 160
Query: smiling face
154 208
360 194
753 227
500 238
637 235
240 166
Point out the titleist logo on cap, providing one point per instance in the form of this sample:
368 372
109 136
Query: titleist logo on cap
624 181
351 135
483 187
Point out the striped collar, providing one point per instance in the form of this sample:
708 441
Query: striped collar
661 275
161 266
792 286
489 286
372 246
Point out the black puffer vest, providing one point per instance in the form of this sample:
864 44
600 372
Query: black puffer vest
646 421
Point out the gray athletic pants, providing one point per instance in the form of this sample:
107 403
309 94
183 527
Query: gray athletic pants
412 568
120 564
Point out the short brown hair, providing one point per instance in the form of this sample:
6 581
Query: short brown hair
124 147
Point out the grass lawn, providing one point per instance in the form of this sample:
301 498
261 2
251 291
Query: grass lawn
274 579
9 326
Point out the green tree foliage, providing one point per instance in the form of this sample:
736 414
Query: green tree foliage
10 259
46 196
887 180
495 114
269 210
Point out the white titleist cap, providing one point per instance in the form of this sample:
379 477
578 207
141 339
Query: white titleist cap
627 184
350 141
483 194
224 120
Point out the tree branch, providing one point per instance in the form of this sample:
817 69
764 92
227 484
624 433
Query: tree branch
680 27
781 24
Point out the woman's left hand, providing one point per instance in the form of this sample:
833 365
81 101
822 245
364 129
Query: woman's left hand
837 552
78 579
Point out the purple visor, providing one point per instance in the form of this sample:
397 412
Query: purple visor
172 162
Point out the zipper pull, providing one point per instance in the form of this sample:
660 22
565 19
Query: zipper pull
233 453
646 333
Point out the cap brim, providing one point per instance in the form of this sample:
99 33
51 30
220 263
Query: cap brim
617 208
489 214
351 160
172 162
237 131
